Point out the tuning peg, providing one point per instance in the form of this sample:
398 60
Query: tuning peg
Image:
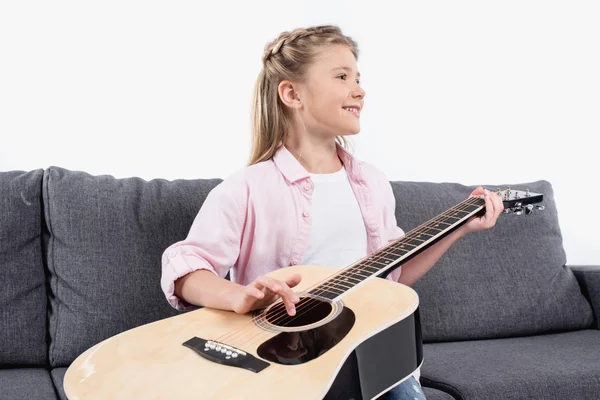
518 210
540 207
528 209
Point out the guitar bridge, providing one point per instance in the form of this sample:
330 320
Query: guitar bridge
222 353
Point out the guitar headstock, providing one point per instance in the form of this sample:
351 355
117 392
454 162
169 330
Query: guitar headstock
520 201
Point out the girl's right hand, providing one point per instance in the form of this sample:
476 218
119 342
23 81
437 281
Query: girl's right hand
265 290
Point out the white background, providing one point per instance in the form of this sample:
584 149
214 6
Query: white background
476 92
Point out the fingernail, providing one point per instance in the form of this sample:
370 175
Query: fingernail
292 311
296 299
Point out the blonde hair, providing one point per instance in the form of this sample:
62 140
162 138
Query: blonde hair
288 57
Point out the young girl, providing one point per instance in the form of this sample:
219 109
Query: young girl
303 199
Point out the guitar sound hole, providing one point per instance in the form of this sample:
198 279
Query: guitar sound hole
308 311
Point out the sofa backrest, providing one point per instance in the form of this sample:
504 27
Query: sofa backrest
106 238
22 277
509 280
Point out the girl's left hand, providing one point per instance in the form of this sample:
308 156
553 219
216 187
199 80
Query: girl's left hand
493 208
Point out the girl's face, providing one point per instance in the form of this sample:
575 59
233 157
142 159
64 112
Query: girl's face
331 96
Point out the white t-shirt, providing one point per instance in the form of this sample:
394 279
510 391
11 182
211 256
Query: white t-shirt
338 236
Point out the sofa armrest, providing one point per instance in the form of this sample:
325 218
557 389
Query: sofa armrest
588 277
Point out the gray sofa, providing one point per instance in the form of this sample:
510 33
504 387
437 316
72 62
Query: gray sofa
502 316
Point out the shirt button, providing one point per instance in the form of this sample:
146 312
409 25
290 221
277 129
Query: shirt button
306 214
293 262
307 186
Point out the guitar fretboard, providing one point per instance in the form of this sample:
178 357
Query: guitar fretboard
395 253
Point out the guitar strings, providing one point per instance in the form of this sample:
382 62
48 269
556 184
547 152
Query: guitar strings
358 266
282 313
312 303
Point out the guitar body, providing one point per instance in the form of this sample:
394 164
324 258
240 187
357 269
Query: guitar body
355 347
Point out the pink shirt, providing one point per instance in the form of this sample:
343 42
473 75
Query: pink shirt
259 219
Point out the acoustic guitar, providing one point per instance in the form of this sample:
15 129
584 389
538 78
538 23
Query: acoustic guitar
354 336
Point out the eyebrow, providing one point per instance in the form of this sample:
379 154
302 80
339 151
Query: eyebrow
347 69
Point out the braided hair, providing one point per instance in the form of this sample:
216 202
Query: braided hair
288 57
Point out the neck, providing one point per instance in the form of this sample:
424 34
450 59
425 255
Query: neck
316 155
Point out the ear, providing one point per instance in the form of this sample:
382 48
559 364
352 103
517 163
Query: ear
289 94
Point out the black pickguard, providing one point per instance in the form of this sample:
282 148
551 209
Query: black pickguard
290 348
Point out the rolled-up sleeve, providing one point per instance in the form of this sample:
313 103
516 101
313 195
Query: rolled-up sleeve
213 242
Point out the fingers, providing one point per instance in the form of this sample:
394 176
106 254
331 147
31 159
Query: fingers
494 206
253 291
489 210
478 192
282 289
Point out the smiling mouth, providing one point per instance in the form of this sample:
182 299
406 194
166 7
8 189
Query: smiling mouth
353 110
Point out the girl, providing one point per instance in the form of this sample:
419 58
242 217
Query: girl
303 199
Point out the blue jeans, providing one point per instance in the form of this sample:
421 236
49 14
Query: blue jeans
407 390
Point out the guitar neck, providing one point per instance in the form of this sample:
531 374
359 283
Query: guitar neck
394 254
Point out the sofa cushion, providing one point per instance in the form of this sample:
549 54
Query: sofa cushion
588 277
553 366
509 280
58 377
26 384
22 276
107 236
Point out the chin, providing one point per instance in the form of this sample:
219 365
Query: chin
353 130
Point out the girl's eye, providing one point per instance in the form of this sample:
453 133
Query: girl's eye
344 76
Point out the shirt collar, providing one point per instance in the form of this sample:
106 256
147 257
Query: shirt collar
293 171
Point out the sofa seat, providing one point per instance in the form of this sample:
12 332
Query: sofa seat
554 366
434 394
26 384
58 376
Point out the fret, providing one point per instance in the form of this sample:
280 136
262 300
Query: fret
338 286
325 287
369 268
424 232
380 255
451 216
325 293
373 260
397 252
392 256
459 211
355 274
413 242
344 277
440 223
471 207
360 272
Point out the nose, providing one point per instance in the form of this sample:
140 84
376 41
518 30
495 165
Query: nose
358 92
